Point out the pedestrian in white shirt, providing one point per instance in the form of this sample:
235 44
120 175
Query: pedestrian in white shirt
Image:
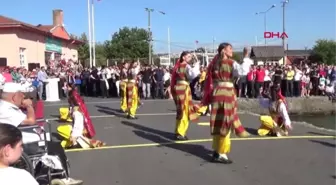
193 72
244 70
297 81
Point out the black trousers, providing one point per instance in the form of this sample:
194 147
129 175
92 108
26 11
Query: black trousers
103 89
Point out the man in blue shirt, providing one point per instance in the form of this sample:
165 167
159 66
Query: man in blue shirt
42 78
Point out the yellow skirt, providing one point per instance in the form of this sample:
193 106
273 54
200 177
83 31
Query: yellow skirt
65 114
268 125
65 132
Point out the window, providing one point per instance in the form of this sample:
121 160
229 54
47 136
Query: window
22 55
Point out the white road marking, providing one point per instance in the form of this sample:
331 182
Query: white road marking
204 124
101 102
112 116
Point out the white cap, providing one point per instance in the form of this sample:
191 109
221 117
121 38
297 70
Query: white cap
11 87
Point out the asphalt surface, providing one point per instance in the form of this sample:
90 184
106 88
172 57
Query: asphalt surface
133 158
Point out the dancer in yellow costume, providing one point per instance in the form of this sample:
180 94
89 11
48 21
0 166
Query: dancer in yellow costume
132 90
75 134
123 86
185 109
278 122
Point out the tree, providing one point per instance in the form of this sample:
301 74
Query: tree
100 54
236 56
325 51
83 50
128 43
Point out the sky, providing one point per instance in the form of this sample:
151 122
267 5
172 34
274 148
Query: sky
189 20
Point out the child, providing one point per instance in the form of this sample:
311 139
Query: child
10 153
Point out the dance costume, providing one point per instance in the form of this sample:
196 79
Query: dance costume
220 93
123 86
185 108
132 92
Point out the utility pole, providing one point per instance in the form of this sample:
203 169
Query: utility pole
284 23
150 35
90 36
93 34
149 11
169 56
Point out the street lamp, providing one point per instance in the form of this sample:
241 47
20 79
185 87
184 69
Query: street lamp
149 11
265 15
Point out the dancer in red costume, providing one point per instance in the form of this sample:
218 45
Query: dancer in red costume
87 120
81 131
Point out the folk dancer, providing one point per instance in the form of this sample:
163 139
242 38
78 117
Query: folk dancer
132 90
123 85
220 93
180 88
278 122
76 134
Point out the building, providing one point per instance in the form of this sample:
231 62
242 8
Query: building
267 54
29 46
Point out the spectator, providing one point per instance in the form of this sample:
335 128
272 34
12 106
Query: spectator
260 76
159 83
146 82
10 152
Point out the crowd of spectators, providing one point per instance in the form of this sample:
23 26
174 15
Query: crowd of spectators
154 81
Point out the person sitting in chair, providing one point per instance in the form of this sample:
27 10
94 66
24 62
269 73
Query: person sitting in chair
11 102
76 135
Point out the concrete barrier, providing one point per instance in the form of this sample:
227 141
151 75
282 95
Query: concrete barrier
300 106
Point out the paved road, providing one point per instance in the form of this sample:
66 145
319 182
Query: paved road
133 158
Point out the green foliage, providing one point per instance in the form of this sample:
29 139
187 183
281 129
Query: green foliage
236 57
83 50
324 50
84 53
128 43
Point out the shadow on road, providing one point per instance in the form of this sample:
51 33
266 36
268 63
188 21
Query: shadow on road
158 136
167 136
110 111
324 143
252 131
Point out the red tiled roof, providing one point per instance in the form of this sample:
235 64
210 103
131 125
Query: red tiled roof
6 22
45 27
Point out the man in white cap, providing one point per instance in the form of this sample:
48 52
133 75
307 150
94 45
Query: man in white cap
12 99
